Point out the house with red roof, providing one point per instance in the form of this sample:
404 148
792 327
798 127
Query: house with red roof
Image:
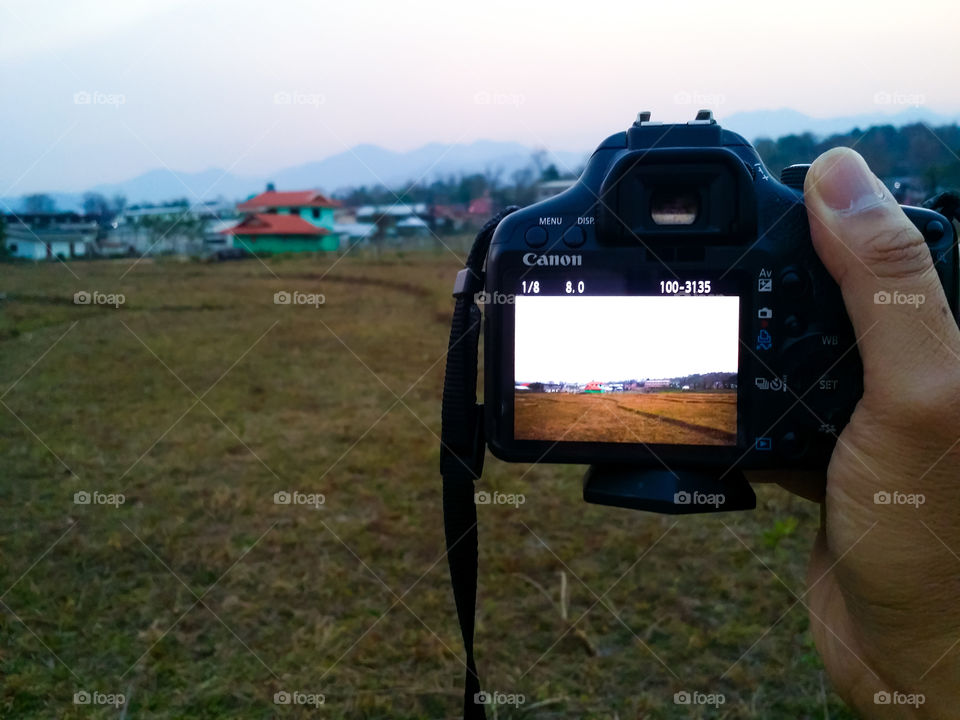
278 222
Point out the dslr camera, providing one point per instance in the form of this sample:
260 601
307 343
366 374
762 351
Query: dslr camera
666 321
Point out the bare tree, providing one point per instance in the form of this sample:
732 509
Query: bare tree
96 205
380 223
39 204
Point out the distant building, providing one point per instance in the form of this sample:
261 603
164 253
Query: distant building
395 220
481 208
391 215
276 222
412 226
48 237
355 231
268 233
655 384
178 227
450 218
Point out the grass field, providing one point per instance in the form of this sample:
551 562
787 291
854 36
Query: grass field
198 399
693 418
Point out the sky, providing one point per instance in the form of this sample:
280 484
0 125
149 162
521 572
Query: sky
614 338
101 91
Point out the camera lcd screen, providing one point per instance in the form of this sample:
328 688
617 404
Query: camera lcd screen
626 369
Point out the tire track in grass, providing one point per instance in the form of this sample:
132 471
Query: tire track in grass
727 437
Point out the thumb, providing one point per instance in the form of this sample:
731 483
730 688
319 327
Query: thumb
906 333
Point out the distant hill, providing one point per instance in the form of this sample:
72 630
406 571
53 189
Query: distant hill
162 185
373 165
362 165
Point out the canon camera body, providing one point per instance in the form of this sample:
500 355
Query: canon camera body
668 310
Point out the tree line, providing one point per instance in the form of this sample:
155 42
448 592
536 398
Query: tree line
918 152
519 188
924 155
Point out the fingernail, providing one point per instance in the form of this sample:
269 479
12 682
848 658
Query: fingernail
847 185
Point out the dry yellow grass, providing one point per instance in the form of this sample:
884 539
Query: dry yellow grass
687 418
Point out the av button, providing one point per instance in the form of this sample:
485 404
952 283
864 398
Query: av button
536 237
574 237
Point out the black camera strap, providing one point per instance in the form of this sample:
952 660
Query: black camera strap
462 450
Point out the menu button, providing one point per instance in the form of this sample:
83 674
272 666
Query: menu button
536 237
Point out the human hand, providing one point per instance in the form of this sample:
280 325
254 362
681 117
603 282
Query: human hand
884 579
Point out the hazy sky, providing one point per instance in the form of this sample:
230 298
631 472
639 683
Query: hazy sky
195 85
607 339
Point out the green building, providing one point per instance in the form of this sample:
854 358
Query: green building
278 222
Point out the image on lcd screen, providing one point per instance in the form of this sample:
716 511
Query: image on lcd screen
637 369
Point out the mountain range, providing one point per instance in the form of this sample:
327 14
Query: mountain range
361 165
373 165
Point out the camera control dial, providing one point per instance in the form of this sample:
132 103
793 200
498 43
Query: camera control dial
794 175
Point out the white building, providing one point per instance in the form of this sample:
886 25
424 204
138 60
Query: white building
656 383
192 229
49 239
